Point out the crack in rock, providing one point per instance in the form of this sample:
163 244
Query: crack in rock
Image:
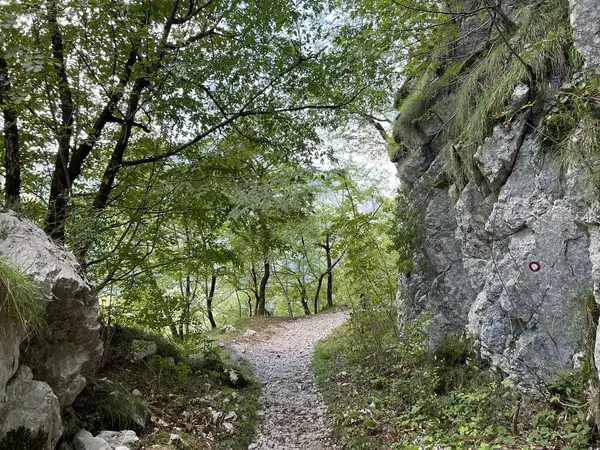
294 415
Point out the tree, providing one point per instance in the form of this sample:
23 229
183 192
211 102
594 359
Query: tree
109 85
12 164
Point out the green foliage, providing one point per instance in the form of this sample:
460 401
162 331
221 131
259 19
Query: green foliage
167 371
406 232
24 439
571 128
180 377
118 340
486 89
113 405
20 298
395 150
395 392
416 105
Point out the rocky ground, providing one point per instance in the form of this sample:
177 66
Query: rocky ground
293 413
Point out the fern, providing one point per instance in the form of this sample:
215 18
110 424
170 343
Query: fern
24 439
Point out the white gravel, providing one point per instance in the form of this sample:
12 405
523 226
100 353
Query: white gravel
294 415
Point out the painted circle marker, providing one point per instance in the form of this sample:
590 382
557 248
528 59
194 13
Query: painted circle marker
535 266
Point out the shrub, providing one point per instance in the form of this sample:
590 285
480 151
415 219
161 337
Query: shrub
166 370
410 396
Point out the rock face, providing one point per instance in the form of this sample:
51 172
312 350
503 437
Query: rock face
483 239
33 405
68 347
585 20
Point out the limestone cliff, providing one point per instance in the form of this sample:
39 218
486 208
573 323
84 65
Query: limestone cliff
41 374
494 210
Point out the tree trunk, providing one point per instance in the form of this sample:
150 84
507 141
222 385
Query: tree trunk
237 296
174 331
12 163
329 276
316 300
304 302
209 299
327 246
262 292
255 290
303 297
249 305
116 158
56 216
183 321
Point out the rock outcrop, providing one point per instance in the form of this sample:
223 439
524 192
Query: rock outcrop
33 405
485 237
585 20
41 374
106 440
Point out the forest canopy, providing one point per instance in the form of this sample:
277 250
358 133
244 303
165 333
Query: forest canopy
171 143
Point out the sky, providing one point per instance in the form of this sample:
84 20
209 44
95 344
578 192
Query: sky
361 146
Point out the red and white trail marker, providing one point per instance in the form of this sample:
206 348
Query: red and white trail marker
535 266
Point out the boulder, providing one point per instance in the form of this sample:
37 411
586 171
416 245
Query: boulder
10 339
141 348
116 439
71 345
84 440
31 404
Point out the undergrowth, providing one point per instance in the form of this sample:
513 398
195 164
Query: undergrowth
185 389
571 129
22 438
390 391
20 298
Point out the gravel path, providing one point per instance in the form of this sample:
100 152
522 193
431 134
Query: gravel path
294 415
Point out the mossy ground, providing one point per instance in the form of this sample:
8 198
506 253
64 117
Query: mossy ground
187 392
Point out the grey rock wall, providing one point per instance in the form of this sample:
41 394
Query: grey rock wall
473 265
585 20
478 244
42 374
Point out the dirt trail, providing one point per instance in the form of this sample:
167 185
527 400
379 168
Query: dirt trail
294 415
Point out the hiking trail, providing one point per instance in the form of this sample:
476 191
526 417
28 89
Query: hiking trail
293 414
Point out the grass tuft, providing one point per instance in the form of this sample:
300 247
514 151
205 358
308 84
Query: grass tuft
116 407
415 106
543 41
571 130
486 81
20 298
